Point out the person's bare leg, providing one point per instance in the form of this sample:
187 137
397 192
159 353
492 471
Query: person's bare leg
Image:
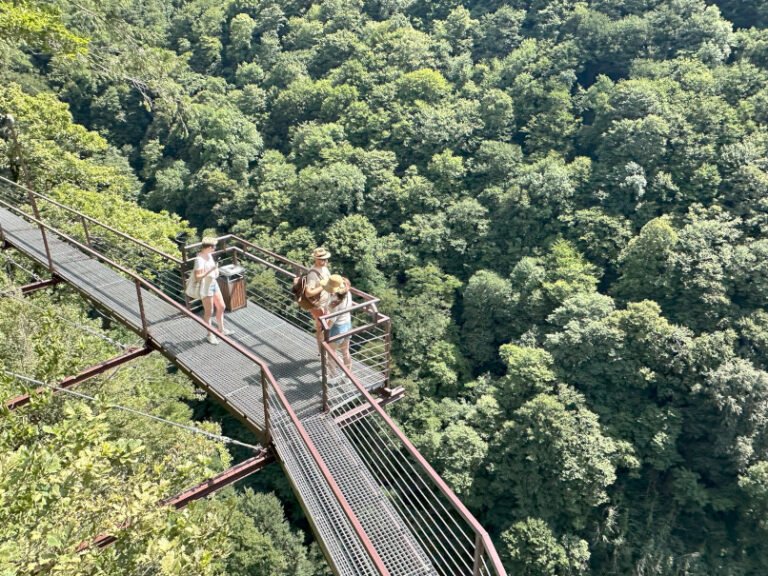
332 363
219 304
347 358
207 304
207 308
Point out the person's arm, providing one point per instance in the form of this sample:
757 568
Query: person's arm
199 271
312 291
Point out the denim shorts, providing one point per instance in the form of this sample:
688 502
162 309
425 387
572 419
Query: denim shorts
212 289
337 329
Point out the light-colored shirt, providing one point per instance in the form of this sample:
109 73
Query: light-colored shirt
313 281
345 304
206 265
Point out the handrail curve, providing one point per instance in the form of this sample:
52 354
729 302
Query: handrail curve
446 490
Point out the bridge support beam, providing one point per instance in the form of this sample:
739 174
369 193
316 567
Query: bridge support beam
205 488
86 374
216 483
35 286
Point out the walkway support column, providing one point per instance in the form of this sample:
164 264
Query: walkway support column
265 400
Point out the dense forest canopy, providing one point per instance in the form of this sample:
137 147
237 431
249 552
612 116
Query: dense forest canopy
563 205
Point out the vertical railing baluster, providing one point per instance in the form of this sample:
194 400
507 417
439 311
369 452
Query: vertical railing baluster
265 399
144 325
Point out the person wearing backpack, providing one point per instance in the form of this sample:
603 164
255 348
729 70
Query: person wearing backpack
314 290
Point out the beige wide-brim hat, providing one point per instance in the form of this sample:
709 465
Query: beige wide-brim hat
321 253
209 241
334 284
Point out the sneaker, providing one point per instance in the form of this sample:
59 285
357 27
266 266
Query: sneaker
212 339
227 332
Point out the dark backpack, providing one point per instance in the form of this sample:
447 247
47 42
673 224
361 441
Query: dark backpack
298 288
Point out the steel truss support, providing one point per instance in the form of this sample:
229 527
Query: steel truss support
230 476
35 286
86 374
205 488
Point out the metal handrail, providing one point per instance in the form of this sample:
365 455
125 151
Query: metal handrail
480 532
283 259
370 302
353 308
93 221
348 512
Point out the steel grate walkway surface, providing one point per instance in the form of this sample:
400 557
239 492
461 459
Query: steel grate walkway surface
234 380
394 542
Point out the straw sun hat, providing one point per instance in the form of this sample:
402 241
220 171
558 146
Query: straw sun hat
321 253
209 241
334 284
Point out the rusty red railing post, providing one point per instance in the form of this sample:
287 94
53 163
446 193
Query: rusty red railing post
478 554
183 274
324 375
87 232
387 352
265 400
144 326
36 212
324 360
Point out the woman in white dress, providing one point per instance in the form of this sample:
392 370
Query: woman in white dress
207 271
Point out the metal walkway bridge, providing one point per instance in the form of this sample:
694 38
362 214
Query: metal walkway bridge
374 503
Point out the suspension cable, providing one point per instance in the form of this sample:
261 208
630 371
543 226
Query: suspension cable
10 260
80 395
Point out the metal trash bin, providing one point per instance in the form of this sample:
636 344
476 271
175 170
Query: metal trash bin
232 284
